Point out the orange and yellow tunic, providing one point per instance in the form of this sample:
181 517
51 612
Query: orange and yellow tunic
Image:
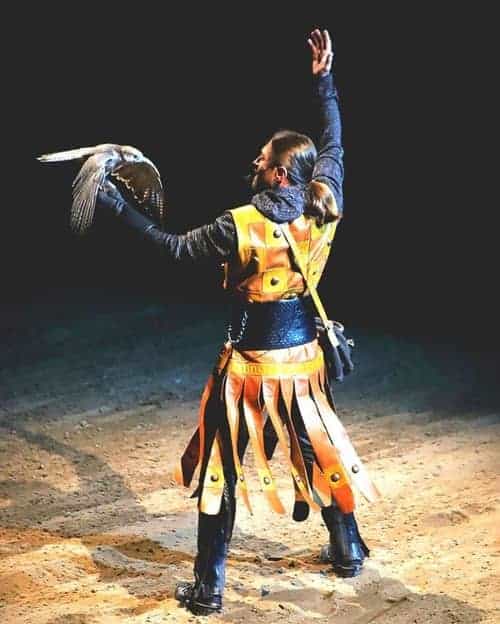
265 393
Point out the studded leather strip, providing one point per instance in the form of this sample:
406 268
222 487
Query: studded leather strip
232 394
255 424
321 486
193 454
357 474
323 447
286 386
184 472
213 483
203 404
270 391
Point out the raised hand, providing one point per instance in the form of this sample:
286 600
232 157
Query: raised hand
322 53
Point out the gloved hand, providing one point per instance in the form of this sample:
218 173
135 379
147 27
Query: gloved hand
110 198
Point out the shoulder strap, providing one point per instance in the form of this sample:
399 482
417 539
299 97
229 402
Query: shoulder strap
312 290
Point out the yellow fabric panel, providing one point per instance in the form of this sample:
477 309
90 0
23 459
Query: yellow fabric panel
317 232
243 217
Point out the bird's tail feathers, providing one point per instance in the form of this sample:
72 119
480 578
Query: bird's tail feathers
73 154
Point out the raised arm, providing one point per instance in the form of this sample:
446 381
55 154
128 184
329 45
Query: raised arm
216 241
329 167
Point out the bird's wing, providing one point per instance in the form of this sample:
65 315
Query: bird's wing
85 187
73 154
143 181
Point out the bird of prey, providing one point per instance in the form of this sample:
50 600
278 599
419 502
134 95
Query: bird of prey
123 165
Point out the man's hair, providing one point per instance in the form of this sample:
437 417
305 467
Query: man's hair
298 154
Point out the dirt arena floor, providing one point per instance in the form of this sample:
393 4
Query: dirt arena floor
96 406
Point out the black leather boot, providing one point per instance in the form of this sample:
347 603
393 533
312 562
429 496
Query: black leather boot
198 598
204 595
346 550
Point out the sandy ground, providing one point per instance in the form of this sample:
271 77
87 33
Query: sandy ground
96 408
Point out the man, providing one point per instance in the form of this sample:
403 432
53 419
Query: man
271 366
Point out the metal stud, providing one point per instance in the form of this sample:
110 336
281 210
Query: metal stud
335 477
267 480
355 468
214 477
242 478
277 233
274 281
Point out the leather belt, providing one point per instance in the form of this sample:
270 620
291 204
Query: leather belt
274 324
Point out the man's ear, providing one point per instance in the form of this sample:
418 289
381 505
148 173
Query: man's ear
281 176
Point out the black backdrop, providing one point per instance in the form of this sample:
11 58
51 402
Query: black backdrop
199 90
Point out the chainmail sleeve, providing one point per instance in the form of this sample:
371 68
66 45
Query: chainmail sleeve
215 241
329 167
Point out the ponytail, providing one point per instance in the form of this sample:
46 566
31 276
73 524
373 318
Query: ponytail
320 203
298 154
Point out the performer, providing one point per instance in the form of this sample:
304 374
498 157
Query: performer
269 385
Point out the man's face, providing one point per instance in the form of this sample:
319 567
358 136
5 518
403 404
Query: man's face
264 173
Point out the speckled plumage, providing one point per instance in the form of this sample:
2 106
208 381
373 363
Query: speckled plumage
126 166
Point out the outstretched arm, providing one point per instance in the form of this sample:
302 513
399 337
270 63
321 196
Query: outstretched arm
329 167
215 241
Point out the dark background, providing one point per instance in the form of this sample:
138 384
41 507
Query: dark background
199 91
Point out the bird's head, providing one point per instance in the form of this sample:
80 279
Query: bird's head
131 153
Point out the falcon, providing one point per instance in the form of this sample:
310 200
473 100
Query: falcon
123 165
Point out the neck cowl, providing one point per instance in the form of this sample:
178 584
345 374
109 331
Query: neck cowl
281 205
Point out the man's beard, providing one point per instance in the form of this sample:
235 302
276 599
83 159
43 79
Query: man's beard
258 183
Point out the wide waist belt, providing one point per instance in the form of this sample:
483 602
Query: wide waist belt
273 325
275 369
